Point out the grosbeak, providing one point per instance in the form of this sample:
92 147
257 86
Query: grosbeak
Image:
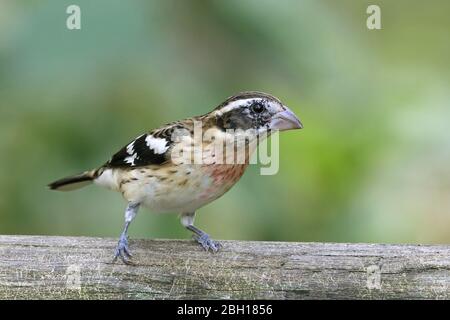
176 169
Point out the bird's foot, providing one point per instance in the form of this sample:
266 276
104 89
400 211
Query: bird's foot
207 243
123 251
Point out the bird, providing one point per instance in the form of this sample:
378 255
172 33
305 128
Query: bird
177 169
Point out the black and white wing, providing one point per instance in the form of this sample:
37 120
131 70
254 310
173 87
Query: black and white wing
148 149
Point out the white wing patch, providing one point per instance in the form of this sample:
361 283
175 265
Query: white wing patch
130 148
158 145
144 150
131 152
130 159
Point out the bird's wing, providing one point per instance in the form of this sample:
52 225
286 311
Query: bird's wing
151 148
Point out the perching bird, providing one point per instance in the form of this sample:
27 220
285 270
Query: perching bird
177 169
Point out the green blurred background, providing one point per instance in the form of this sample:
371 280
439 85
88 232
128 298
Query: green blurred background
371 165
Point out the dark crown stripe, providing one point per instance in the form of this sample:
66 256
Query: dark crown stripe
248 95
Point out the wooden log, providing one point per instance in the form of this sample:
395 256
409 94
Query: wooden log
42 267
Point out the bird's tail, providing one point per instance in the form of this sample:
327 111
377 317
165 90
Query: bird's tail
74 182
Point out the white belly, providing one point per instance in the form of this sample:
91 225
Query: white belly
163 190
178 195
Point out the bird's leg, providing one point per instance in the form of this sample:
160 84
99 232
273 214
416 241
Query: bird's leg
187 220
122 249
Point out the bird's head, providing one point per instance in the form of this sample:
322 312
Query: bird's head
239 124
256 111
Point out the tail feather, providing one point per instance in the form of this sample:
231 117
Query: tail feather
73 182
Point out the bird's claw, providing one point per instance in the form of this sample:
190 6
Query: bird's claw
207 243
123 251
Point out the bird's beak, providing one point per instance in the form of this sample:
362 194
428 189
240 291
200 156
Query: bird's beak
285 120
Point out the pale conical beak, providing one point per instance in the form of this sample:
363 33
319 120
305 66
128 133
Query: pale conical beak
285 120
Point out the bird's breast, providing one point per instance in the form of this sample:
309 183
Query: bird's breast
222 177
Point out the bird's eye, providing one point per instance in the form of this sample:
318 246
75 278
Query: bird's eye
257 107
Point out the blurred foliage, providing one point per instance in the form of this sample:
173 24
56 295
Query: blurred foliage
371 165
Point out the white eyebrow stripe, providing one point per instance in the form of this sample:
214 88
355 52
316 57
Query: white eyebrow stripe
235 104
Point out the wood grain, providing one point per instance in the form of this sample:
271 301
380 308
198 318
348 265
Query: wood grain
37 267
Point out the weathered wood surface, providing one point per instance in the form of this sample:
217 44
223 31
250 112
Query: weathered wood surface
80 268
